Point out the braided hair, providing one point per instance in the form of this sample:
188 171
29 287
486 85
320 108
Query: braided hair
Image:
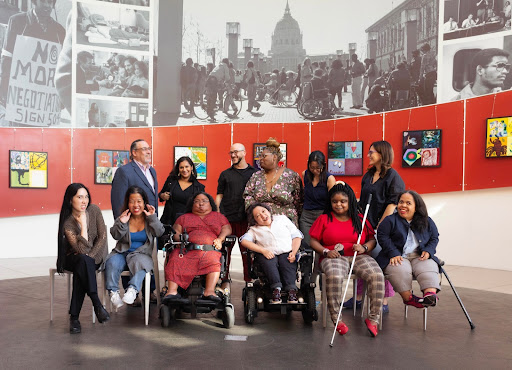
353 208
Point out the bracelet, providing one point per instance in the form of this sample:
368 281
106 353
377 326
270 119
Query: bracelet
365 247
325 251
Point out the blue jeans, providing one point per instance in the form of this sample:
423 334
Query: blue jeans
114 266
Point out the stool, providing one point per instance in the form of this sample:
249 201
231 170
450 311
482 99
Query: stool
68 274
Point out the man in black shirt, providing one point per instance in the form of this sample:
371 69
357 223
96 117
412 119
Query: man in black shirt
230 199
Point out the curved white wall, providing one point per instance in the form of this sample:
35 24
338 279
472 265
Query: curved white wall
472 227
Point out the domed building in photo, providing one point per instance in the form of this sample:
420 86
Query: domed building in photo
287 50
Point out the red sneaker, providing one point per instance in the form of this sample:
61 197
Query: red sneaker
342 328
371 328
414 301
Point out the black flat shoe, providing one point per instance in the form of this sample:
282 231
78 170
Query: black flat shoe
101 314
74 326
212 298
171 297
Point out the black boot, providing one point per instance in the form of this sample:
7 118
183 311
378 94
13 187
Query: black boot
74 326
101 314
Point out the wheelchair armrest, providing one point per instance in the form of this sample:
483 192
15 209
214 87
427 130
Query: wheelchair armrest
230 240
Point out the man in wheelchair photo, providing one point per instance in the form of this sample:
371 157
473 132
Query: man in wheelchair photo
197 262
275 241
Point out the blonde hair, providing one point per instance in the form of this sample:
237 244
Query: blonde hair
272 145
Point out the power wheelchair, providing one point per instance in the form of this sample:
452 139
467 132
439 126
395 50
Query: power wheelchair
257 294
190 301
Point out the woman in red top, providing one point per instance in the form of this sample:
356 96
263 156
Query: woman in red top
334 236
205 226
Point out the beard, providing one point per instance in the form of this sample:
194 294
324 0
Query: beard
236 161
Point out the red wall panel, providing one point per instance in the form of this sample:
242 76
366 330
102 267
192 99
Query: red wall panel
23 202
85 141
449 118
481 172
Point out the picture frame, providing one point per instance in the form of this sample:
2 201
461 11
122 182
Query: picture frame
345 158
498 138
106 163
28 169
421 148
258 149
198 154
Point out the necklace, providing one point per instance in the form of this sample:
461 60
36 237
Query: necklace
271 180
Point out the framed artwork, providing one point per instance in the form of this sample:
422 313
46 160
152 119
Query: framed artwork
106 162
345 158
198 156
421 148
28 169
499 137
258 149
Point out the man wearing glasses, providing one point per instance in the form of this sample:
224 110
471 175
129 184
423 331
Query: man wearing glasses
229 199
137 172
491 67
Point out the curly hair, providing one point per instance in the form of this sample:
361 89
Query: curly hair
250 217
272 145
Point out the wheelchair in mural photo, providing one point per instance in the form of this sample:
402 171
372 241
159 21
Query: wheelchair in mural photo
257 294
282 97
191 300
316 104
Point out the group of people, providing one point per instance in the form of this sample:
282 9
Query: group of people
271 211
485 12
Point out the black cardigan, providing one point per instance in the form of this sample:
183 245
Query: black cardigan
169 214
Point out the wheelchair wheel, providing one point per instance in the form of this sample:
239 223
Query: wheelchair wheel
290 100
310 109
200 111
165 315
237 100
310 314
228 317
249 306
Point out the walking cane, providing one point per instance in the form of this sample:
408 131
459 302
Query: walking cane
454 291
350 272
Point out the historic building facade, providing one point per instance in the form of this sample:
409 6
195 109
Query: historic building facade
392 38
287 50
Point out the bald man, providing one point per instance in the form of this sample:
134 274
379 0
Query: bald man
230 200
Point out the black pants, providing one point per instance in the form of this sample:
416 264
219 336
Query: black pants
279 271
84 281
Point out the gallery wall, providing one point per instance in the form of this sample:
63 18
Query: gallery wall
71 151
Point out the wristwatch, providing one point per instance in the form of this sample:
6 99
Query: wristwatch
325 251
365 248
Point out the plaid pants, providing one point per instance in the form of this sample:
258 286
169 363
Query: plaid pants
365 268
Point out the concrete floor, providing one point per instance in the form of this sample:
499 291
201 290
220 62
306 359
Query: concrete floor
28 340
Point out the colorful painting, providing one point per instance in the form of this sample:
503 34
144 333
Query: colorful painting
28 169
106 162
198 156
258 149
499 137
421 148
345 158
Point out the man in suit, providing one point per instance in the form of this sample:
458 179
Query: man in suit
139 173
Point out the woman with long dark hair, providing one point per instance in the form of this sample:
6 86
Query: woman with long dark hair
135 231
82 248
384 184
180 186
409 239
334 235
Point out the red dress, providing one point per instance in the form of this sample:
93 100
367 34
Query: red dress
200 231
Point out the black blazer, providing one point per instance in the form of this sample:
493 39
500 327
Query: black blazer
169 214
392 235
129 175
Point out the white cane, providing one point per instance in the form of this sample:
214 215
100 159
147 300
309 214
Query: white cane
350 272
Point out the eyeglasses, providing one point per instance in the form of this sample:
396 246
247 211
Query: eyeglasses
235 152
145 149
500 66
201 201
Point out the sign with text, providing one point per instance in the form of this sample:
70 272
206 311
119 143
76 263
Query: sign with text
32 97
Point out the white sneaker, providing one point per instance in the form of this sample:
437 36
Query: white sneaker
116 299
130 295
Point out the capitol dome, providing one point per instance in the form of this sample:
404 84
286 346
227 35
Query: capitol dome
287 50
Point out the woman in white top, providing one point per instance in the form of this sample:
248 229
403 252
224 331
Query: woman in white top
276 240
